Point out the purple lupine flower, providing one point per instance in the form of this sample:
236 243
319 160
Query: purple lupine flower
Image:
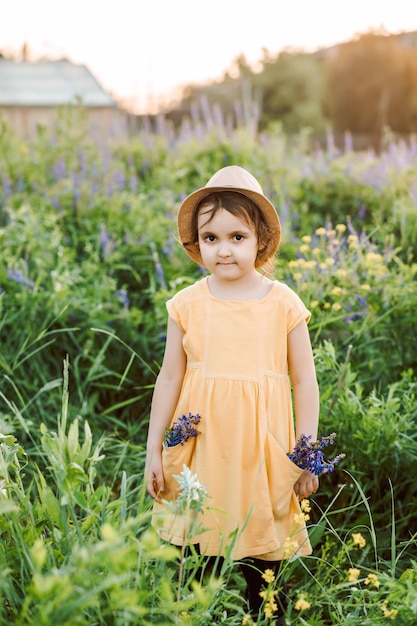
94 187
59 169
56 203
352 317
362 211
121 295
83 163
308 455
120 180
76 187
105 240
7 189
133 184
160 274
158 267
348 142
169 246
362 301
18 277
182 430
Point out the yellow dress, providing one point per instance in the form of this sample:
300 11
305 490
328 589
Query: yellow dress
237 381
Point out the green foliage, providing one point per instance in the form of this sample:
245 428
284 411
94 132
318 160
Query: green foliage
292 91
89 259
356 291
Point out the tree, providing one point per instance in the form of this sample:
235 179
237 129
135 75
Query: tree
292 91
372 83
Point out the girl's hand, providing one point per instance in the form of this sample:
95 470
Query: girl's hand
155 478
307 484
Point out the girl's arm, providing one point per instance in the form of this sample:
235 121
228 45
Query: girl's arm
306 397
165 397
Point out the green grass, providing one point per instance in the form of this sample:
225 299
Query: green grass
89 257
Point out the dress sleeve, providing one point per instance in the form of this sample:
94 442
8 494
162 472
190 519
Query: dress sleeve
174 311
297 312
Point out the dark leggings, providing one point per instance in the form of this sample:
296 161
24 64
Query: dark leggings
252 570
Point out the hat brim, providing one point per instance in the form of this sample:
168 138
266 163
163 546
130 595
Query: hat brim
189 204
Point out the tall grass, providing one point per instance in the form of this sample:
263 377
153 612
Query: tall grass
89 259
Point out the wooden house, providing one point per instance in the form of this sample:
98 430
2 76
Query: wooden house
32 94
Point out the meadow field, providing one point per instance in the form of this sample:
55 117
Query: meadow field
89 257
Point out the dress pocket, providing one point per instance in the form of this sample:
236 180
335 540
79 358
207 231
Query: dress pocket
173 459
282 476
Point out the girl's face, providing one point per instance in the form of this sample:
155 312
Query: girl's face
228 244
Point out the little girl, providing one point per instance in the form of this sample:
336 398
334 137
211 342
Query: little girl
237 347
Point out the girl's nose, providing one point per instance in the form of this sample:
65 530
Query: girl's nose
224 249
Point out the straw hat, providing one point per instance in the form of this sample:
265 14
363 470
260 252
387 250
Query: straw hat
230 178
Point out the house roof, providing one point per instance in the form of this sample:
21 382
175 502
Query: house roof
49 83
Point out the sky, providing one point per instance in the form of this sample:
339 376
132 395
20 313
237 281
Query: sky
144 51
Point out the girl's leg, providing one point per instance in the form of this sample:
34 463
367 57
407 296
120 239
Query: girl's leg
252 570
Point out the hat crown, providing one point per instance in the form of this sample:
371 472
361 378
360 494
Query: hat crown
236 177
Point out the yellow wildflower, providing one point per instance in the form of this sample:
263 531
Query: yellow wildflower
247 619
331 232
358 540
316 251
372 581
268 576
329 261
340 228
305 505
337 291
300 518
373 257
270 608
389 613
184 615
326 305
297 275
293 263
310 264
323 266
270 603
353 574
304 248
353 241
336 306
366 287
290 547
306 238
314 304
302 605
320 232
341 273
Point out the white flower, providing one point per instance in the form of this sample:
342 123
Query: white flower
191 491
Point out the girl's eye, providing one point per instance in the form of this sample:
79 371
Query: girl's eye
238 237
210 238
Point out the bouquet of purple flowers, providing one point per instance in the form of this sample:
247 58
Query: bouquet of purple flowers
181 430
308 455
